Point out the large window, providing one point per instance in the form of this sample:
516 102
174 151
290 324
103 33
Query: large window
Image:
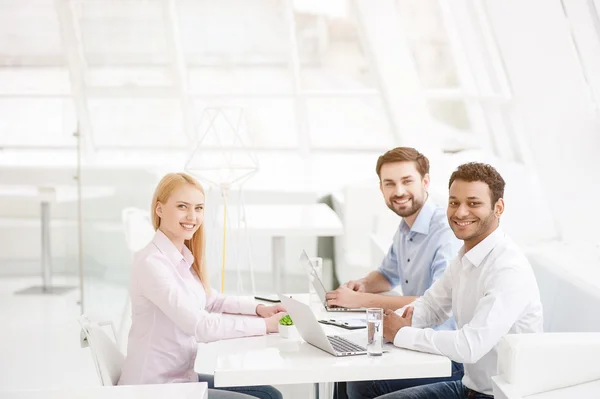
310 77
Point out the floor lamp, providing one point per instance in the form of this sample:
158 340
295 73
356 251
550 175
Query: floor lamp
222 156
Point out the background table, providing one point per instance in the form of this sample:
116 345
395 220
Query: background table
48 195
281 221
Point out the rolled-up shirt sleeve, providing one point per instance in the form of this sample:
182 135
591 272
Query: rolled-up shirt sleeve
505 298
389 265
158 286
444 254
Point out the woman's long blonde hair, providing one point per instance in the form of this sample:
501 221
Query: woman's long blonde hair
197 244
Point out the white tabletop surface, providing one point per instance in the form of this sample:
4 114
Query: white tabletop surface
163 391
286 220
271 359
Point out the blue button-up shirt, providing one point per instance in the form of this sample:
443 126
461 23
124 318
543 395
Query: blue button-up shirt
419 254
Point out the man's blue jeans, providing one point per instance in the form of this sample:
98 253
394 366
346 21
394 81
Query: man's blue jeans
440 390
373 389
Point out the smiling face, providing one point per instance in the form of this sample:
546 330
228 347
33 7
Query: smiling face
471 214
182 214
403 188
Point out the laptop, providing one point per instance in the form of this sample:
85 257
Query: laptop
311 331
320 288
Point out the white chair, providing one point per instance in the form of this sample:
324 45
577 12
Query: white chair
548 366
107 357
363 212
137 227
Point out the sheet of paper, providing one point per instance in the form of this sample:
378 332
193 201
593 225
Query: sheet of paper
350 321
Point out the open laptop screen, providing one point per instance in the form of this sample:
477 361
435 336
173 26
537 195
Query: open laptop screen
314 277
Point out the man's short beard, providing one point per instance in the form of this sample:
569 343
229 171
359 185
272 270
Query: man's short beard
407 213
416 207
484 226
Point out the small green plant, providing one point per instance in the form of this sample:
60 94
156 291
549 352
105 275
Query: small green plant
286 321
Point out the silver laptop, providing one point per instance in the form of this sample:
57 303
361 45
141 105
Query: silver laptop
311 331
320 288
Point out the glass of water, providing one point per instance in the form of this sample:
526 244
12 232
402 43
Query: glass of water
374 331
317 264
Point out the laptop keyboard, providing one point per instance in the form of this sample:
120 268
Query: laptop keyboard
343 345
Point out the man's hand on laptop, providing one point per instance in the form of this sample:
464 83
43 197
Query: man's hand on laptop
356 285
345 297
392 322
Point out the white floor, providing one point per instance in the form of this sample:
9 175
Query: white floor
39 341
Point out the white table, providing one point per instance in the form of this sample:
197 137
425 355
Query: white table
268 360
281 221
197 390
48 195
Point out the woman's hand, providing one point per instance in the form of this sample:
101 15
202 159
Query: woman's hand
272 322
268 311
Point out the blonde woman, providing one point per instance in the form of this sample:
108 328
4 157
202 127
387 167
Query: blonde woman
173 305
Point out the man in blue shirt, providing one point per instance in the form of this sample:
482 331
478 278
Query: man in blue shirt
422 248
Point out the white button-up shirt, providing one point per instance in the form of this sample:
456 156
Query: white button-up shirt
171 313
492 291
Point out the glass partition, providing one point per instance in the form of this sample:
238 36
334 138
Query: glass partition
133 79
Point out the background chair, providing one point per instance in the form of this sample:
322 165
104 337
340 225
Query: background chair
137 227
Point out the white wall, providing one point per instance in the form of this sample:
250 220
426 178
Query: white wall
551 98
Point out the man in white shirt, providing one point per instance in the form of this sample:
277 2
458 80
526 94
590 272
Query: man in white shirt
489 288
